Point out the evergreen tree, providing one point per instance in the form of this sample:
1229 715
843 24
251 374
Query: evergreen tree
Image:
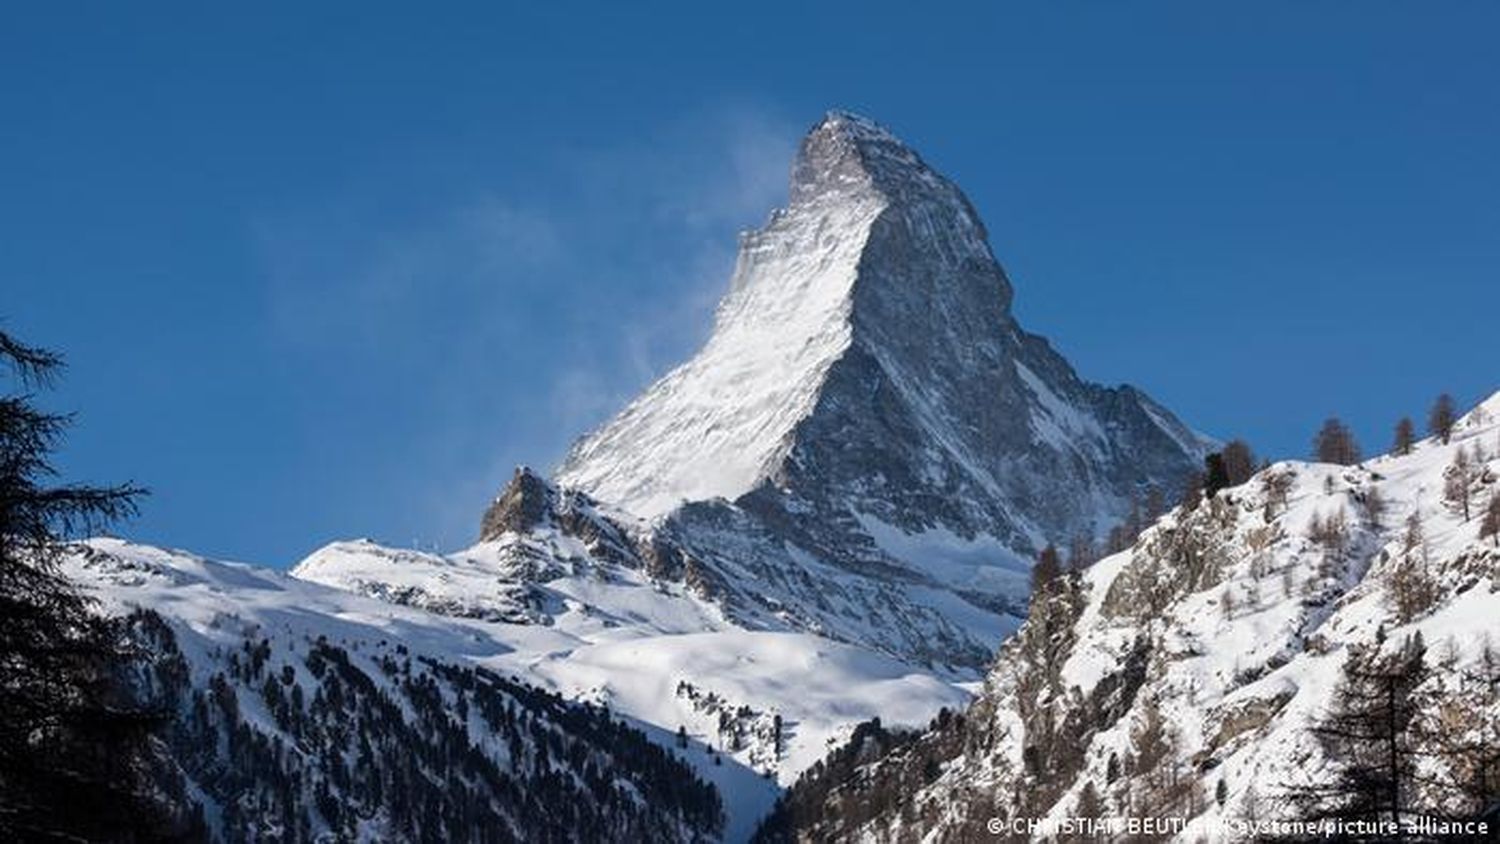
1089 805
1442 418
1155 504
72 745
1192 491
1082 553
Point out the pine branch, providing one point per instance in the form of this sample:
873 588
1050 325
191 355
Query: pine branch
31 364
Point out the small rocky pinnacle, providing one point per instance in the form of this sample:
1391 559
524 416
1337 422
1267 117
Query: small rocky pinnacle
521 506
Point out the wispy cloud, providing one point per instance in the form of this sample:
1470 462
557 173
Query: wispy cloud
341 274
513 324
755 152
701 181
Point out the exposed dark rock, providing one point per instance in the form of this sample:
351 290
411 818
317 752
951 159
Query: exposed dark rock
521 506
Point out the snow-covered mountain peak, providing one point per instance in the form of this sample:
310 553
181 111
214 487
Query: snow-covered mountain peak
868 401
830 161
845 153
715 426
868 448
868 321
719 425
856 128
847 156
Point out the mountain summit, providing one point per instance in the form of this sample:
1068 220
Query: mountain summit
868 449
865 371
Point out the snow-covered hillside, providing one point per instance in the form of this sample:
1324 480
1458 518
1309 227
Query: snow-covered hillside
752 704
1208 652
293 712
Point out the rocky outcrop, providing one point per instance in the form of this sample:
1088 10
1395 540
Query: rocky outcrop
520 507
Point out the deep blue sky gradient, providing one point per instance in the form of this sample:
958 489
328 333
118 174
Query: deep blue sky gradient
332 272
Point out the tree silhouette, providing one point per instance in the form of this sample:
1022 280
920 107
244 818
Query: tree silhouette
71 744
1215 475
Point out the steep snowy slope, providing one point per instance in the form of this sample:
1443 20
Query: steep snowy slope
294 712
552 555
571 606
1207 653
752 704
716 426
868 402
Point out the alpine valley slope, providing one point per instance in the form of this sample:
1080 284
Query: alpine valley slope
266 740
295 712
1206 654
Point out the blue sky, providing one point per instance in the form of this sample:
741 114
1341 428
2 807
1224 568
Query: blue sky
332 273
